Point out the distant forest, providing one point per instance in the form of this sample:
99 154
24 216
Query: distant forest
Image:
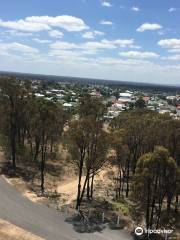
111 83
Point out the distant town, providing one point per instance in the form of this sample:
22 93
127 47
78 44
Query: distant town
117 98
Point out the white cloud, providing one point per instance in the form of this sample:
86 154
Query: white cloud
106 4
105 22
119 62
135 9
68 55
121 42
172 43
55 34
43 23
92 34
18 33
103 44
135 46
175 50
173 58
71 63
139 55
172 9
89 48
69 23
149 27
63 45
25 26
7 48
41 40
94 45
88 35
98 33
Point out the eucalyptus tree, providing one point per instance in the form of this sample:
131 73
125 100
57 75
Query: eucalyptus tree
134 124
46 124
88 143
14 96
97 151
173 144
140 103
121 159
77 139
153 174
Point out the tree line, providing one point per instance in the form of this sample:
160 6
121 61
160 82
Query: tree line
29 126
147 146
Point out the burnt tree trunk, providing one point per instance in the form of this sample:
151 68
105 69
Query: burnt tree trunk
92 186
88 188
176 203
78 202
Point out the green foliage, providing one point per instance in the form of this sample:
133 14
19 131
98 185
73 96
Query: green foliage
30 125
122 207
140 103
87 141
154 173
89 106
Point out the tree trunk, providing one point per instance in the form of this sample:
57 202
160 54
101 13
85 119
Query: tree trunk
169 201
120 183
51 147
88 188
79 184
83 190
123 181
148 207
13 133
153 203
177 202
127 181
92 186
152 213
37 143
42 167
13 145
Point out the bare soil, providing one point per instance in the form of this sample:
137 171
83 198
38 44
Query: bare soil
9 231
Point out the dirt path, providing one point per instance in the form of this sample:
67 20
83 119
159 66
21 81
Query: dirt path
2 159
68 190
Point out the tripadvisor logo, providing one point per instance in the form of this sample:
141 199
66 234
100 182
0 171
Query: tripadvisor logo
139 231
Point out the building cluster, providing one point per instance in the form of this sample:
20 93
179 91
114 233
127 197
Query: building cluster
117 100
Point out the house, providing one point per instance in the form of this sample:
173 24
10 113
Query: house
146 99
39 95
67 105
125 97
95 94
118 106
163 111
178 107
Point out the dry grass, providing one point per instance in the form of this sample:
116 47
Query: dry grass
9 231
24 188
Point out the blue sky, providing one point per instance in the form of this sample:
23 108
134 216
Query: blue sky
110 39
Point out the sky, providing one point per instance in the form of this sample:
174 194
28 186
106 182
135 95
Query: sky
126 40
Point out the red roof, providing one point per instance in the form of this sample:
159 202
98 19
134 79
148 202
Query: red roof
146 99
